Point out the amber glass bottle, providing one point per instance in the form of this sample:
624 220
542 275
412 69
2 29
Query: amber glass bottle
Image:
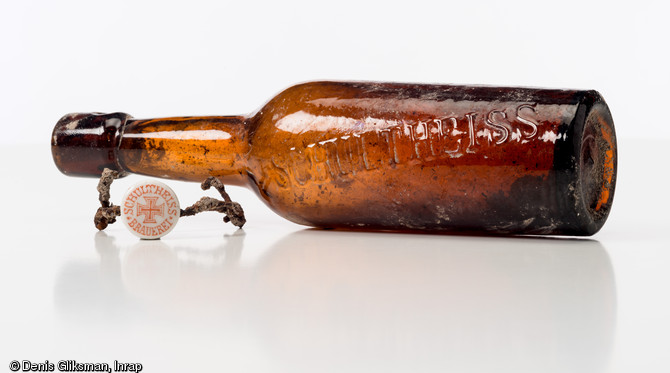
382 156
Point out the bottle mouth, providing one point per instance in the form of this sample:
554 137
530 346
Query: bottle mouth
84 144
597 163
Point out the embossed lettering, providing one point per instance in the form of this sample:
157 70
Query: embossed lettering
276 172
471 131
406 141
496 120
371 139
421 146
528 121
435 136
453 133
403 143
332 157
300 167
319 168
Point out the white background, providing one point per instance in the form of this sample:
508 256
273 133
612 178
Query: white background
277 297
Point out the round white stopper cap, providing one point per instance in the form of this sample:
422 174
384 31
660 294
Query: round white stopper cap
150 209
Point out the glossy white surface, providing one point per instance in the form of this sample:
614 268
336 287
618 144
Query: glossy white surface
279 297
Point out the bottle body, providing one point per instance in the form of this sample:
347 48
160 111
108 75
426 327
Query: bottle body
402 156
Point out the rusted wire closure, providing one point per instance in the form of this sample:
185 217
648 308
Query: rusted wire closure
108 212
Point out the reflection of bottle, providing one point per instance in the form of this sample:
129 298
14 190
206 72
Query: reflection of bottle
393 156
427 303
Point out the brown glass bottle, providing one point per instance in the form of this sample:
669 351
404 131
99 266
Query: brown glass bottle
382 156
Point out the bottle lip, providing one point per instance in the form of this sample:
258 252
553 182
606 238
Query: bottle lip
84 144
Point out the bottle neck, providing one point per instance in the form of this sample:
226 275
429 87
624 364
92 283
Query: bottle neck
187 148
